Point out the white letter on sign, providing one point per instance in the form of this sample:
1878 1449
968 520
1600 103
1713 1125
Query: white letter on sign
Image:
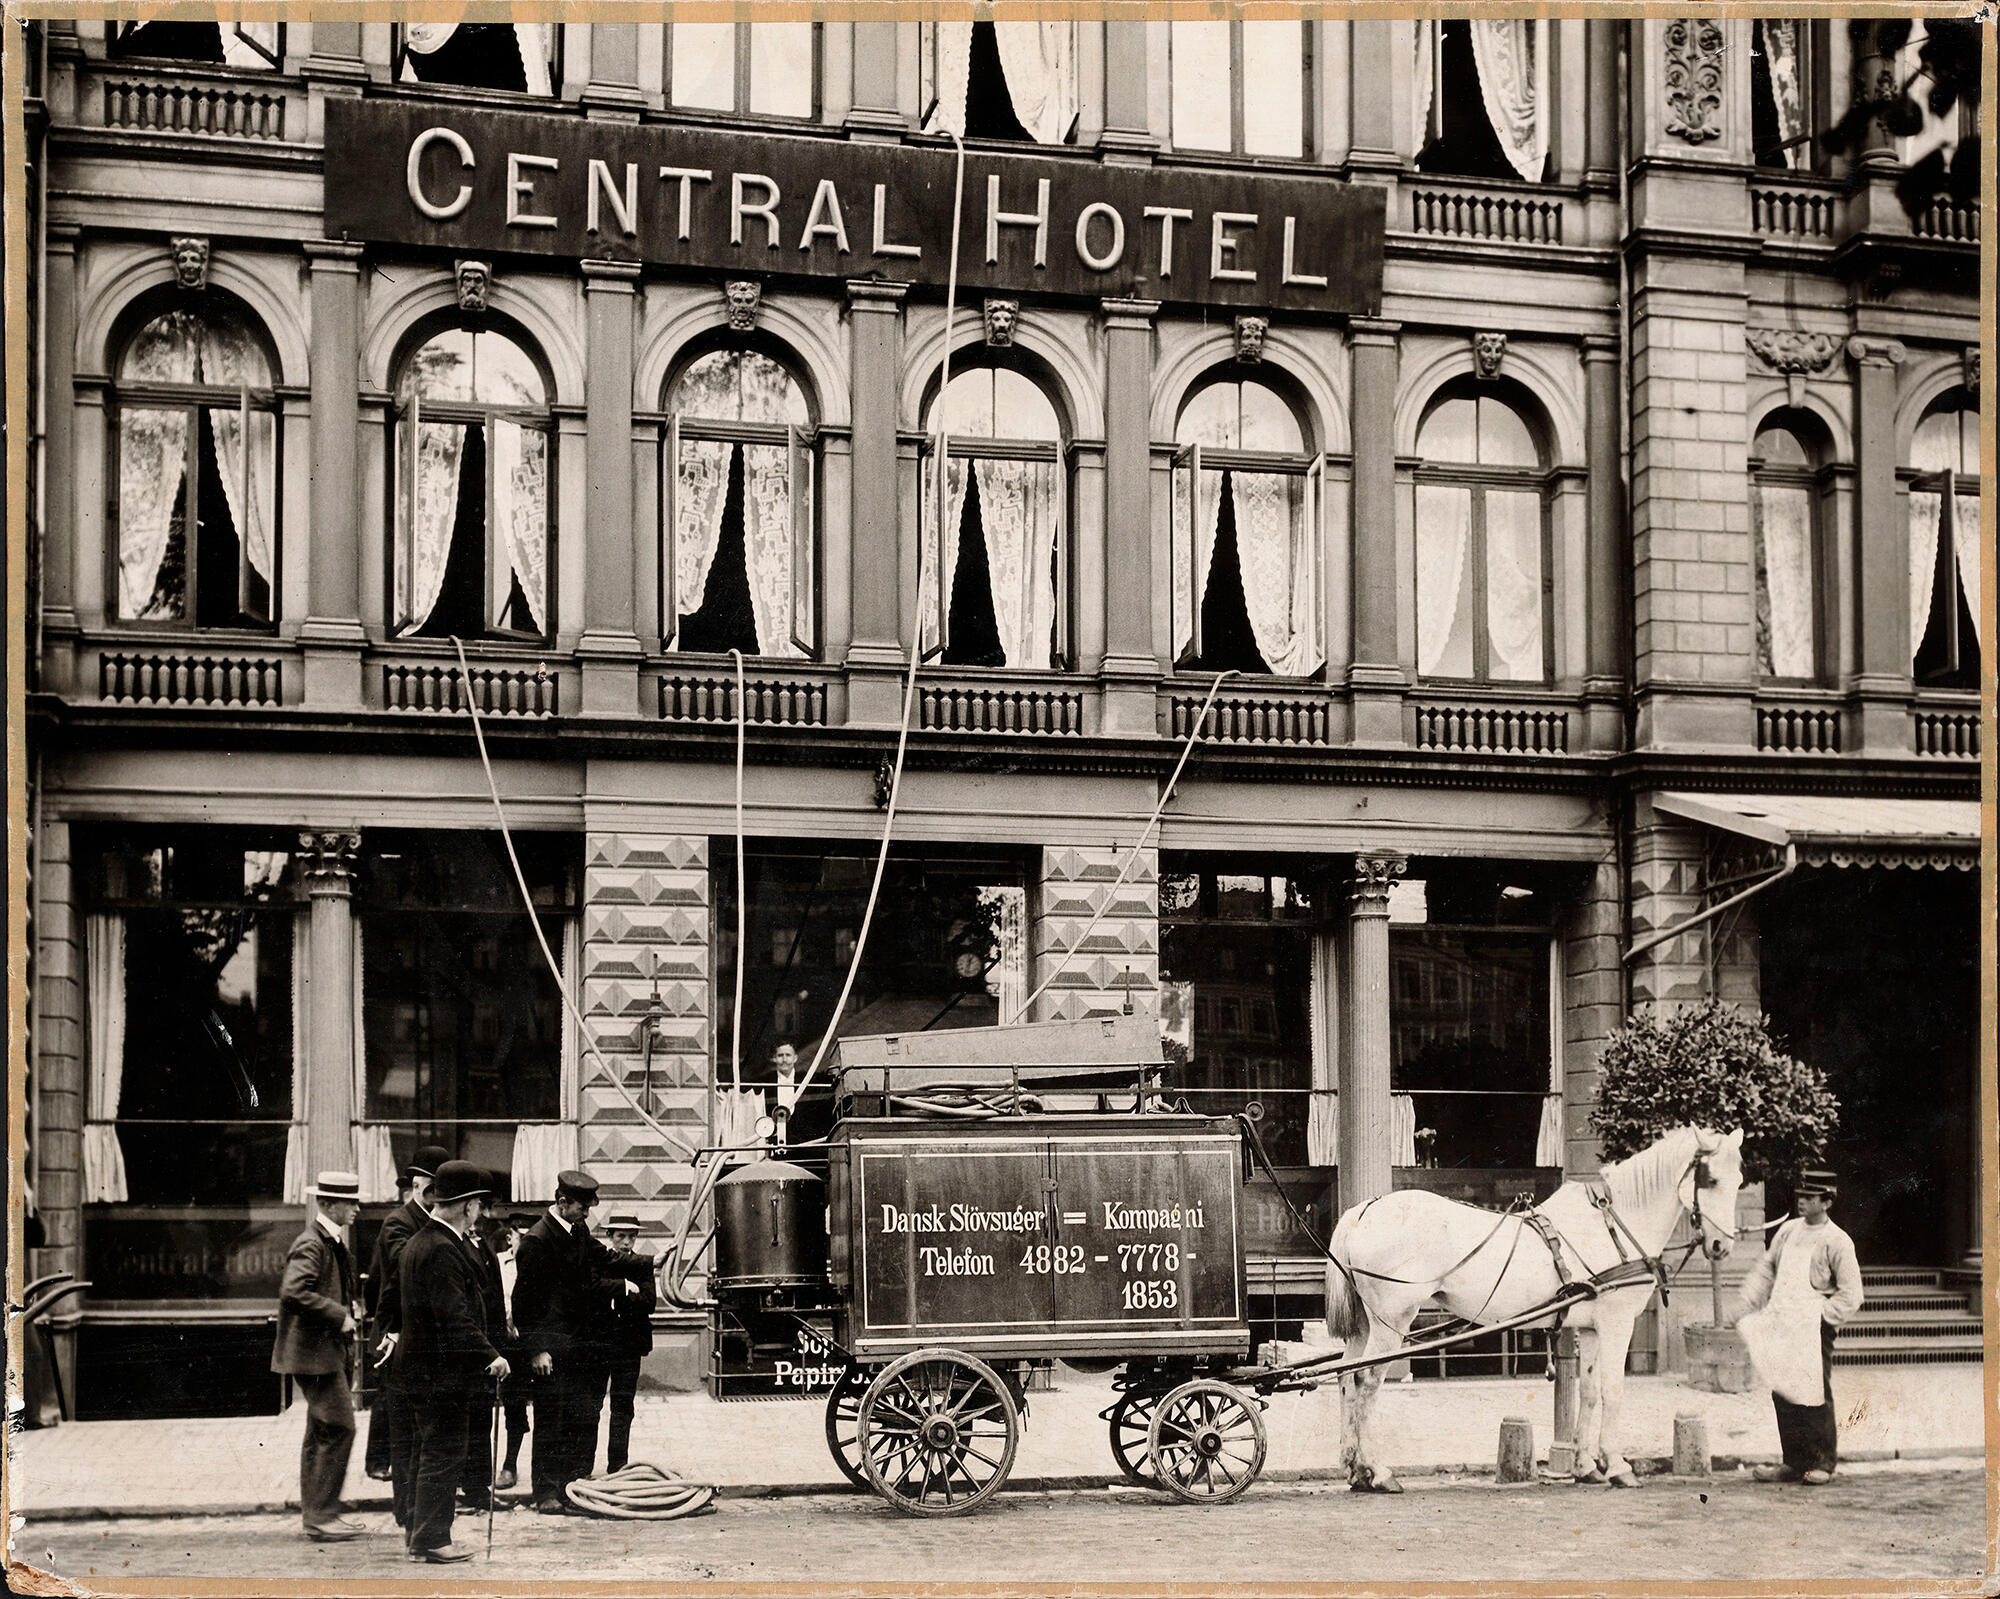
520 188
1167 214
1292 274
1038 219
686 175
824 217
882 245
418 145
624 207
1111 257
739 208
1221 244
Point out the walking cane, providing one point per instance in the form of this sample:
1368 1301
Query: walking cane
493 1470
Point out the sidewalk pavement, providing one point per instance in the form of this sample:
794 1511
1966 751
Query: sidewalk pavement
237 1464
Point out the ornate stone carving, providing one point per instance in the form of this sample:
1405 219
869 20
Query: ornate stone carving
1374 876
475 284
1695 49
190 257
745 297
1489 350
1001 318
327 859
1969 361
1794 354
1870 350
1250 333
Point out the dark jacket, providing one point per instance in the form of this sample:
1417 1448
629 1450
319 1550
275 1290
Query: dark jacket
315 1296
558 1291
398 1228
442 1288
628 1318
492 1292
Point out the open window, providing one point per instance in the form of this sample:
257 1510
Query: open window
522 57
474 482
1000 80
737 562
1242 87
766 69
240 46
1785 496
1246 533
1780 92
195 444
997 553
1482 98
1482 543
1945 548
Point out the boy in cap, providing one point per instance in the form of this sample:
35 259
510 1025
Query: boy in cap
316 1322
445 1361
1810 1261
398 1228
628 1333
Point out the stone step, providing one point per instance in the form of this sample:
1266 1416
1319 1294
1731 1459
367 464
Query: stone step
1956 1317
1958 1349
1900 1277
1942 1302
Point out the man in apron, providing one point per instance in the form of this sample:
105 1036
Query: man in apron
1807 1285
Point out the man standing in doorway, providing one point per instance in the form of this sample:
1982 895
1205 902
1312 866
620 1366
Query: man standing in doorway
449 1369
398 1228
317 1306
1811 1281
628 1334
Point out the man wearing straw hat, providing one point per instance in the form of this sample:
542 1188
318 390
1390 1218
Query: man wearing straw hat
444 1361
628 1332
316 1322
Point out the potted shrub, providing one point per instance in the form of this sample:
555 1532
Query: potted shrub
1715 1066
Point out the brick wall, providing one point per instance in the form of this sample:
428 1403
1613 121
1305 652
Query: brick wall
1122 954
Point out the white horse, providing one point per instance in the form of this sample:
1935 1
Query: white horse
1394 1254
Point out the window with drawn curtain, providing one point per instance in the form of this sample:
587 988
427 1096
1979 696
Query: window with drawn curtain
1784 526
474 479
999 80
764 69
737 561
998 573
1781 93
1945 537
195 434
521 57
1481 105
241 46
1241 87
1482 588
1246 557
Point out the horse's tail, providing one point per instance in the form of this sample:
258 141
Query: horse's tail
1346 1311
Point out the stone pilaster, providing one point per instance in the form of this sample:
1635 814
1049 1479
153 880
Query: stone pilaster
613 89
646 917
875 657
57 1073
59 459
1668 860
331 632
1131 653
1593 1007
1365 1143
1373 72
1375 677
1883 684
609 647
876 113
1121 957
323 1083
1608 634
1127 134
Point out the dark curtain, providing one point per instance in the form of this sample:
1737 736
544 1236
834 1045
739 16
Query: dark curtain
989 109
1468 146
726 620
1948 655
172 41
1228 644
220 551
478 55
973 638
461 604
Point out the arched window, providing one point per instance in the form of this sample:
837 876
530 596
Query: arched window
736 563
195 435
1482 567
1246 551
999 80
475 478
998 576
1944 547
1784 524
1244 87
1482 104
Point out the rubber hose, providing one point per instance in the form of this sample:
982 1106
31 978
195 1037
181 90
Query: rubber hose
641 1491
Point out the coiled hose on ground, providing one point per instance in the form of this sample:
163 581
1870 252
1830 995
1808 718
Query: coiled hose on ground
641 1491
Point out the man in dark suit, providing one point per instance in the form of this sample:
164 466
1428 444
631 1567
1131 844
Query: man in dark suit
398 1228
476 1486
628 1332
444 1360
316 1322
561 1274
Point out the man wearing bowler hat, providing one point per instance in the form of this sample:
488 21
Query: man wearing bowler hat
398 1228
561 1276
316 1322
1809 1269
444 1360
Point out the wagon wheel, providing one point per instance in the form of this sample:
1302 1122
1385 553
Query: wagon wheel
1207 1442
937 1432
1131 1423
843 1424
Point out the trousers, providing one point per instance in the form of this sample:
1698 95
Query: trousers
624 1386
442 1420
568 1402
476 1482
328 1443
395 1409
376 1461
1809 1435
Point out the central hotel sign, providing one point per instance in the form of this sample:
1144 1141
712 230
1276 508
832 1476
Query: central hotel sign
528 184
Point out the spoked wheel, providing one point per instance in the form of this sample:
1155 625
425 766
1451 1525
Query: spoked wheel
843 1424
1131 1429
1206 1442
937 1432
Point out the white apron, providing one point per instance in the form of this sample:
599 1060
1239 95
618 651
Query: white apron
1783 1337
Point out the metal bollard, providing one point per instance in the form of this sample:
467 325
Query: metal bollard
1562 1450
1691 1456
1517 1449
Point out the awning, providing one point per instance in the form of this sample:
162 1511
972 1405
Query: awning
1842 831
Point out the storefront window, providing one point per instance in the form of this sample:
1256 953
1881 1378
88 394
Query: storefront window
462 1021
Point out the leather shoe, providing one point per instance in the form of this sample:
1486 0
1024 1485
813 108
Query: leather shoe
550 1507
1817 1478
1774 1474
448 1554
506 1479
338 1530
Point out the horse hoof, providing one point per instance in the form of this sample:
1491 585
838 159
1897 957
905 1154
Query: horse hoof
1625 1479
1595 1474
1375 1485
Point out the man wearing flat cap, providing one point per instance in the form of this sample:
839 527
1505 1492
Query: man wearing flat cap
1807 1284
317 1305
561 1276
445 1362
398 1228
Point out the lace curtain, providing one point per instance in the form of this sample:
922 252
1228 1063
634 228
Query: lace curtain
1783 514
701 481
1323 1104
1280 588
1444 525
541 1149
1549 1135
433 514
1019 504
1038 61
1514 586
104 965
520 509
231 359
152 458
1933 452
1402 1130
1512 58
1781 58
375 1161
767 542
1195 527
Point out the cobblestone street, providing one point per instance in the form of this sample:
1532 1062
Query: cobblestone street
1894 1521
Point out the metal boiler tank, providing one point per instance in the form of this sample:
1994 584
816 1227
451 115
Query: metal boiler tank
770 1227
